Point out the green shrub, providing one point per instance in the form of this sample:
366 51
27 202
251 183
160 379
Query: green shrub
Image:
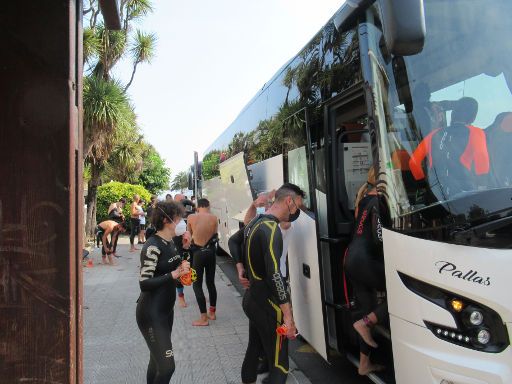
113 191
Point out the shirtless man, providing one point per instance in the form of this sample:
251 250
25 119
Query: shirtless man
112 228
134 222
203 227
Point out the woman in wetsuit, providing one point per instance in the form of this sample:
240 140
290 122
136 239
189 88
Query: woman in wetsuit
364 265
161 266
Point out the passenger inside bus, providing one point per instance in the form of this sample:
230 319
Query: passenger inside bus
364 266
457 156
499 141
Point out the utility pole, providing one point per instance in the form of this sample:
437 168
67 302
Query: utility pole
196 160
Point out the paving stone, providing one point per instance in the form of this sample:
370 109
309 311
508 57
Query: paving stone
115 352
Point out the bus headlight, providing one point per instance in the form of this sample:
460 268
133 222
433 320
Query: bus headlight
484 336
476 318
477 326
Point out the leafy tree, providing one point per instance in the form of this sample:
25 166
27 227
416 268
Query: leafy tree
155 175
180 182
109 119
113 191
211 163
106 108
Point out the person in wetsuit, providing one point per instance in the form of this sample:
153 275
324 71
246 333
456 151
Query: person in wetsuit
364 266
266 301
112 228
203 227
161 266
178 240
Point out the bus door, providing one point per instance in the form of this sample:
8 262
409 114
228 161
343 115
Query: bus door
237 195
349 159
304 264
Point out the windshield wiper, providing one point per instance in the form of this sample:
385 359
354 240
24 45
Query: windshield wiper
479 230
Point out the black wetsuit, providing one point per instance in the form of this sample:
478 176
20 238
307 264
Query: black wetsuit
262 249
364 264
155 306
204 263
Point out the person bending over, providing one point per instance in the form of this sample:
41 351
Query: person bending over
203 227
112 228
161 267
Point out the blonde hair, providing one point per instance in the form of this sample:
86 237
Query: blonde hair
371 180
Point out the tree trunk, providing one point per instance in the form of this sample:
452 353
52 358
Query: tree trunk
92 195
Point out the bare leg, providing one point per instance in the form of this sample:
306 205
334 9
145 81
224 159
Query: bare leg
211 313
203 321
366 366
111 260
364 331
181 302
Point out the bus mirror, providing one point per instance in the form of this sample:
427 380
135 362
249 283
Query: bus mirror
403 23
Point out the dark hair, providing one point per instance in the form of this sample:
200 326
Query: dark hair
153 198
168 195
203 203
465 110
289 189
166 210
122 200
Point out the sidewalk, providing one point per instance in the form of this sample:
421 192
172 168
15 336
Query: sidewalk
115 352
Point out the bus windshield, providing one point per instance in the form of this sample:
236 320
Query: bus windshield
445 115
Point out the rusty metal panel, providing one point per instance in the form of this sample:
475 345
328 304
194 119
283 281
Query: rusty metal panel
39 192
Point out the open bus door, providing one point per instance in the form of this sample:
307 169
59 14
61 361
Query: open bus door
304 263
237 194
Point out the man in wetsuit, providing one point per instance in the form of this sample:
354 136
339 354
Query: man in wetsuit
203 227
266 301
112 228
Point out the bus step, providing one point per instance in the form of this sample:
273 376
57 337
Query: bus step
372 376
383 331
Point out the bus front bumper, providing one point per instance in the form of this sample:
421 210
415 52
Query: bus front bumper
422 358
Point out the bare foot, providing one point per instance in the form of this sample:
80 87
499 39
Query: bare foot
369 368
212 315
181 301
134 249
200 323
104 260
365 333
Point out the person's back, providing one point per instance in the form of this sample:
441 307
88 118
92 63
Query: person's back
203 228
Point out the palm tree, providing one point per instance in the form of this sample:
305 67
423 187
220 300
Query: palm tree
110 128
142 51
127 159
106 109
180 182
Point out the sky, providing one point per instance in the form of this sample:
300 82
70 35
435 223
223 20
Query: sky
212 57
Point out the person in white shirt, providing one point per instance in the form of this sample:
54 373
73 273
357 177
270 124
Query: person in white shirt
142 219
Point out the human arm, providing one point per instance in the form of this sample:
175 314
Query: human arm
235 244
149 260
273 277
104 240
289 323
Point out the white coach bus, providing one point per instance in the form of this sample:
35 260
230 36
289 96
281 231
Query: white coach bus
372 89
